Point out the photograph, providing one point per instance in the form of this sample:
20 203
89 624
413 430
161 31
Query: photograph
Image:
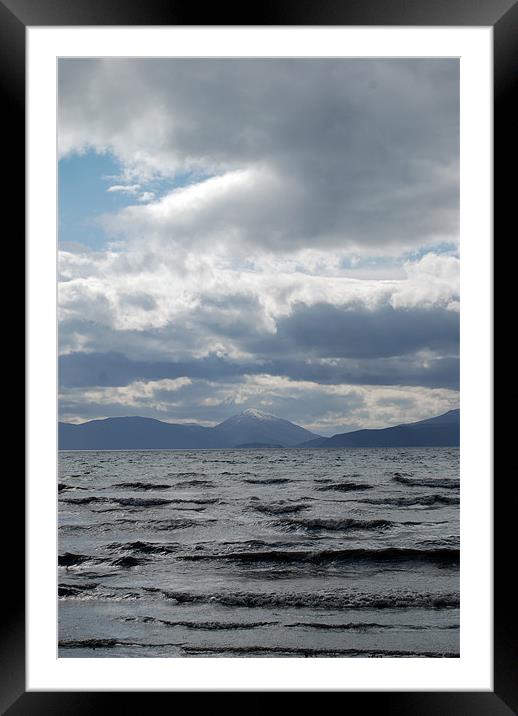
259 353
258 327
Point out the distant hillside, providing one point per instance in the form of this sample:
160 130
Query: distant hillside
249 428
441 431
133 433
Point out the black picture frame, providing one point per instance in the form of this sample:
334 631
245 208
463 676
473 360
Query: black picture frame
15 17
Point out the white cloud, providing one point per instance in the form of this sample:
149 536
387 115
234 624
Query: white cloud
124 188
95 286
352 153
146 196
137 394
323 409
299 184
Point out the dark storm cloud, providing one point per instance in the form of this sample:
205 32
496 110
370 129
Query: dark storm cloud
329 331
112 369
232 316
226 287
115 369
322 343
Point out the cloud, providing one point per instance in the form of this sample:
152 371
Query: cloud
152 324
146 196
204 289
136 394
289 240
116 369
357 154
124 188
328 331
322 408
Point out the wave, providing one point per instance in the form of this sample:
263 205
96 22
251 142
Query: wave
177 524
451 541
180 523
143 547
141 501
83 500
62 487
70 559
196 501
238 474
317 600
126 501
394 554
279 508
202 626
330 525
141 486
254 650
94 593
315 652
146 547
88 643
366 626
130 503
345 487
106 644
418 500
186 474
196 483
155 501
444 482
269 481
127 561
75 590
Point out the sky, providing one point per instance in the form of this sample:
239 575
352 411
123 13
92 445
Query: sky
275 233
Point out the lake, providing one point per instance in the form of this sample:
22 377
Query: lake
259 553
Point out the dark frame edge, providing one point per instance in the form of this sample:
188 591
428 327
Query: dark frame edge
13 697
387 703
12 91
505 65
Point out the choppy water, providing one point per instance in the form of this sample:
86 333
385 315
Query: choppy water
259 553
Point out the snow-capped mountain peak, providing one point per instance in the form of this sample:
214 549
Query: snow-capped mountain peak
254 426
258 414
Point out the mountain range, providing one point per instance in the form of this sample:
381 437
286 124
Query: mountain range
441 431
250 429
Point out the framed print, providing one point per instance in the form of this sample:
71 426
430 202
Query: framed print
259 400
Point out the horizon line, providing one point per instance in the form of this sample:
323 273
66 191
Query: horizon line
210 427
